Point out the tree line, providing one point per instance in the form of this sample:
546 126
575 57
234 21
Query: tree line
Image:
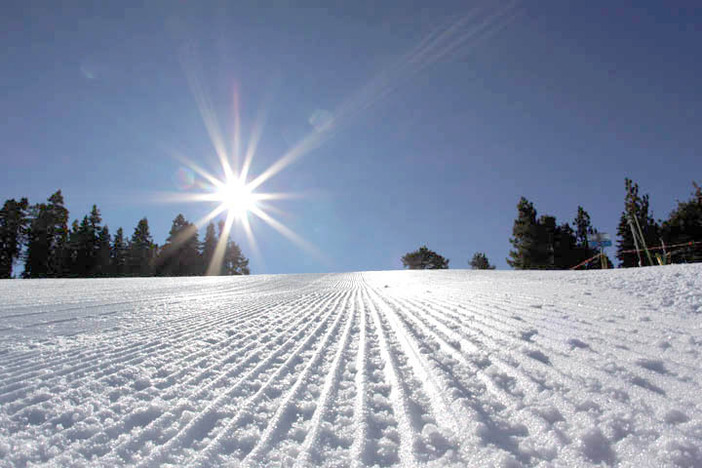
39 236
540 242
641 240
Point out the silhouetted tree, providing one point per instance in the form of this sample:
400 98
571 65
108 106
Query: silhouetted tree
525 238
544 244
209 245
636 210
234 262
141 250
48 232
545 252
480 262
118 255
13 231
73 257
684 225
424 259
103 264
566 253
583 231
583 227
86 254
180 255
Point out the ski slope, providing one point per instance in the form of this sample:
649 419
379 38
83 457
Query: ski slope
446 368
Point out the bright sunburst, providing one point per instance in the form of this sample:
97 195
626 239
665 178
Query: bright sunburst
237 197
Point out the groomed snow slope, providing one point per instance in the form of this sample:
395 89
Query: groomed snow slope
451 367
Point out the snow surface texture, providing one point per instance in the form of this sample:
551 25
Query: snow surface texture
445 368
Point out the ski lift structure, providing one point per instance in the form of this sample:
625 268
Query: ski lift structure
600 240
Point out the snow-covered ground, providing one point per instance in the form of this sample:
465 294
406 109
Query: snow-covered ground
460 368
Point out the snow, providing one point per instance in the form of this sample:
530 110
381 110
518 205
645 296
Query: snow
444 368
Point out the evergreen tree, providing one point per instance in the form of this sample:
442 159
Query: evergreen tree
85 255
103 262
583 230
209 245
78 249
565 250
47 236
543 244
118 255
684 225
234 262
13 231
180 255
424 259
636 211
141 251
545 253
70 251
480 262
525 237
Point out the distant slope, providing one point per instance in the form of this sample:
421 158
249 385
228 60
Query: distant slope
378 368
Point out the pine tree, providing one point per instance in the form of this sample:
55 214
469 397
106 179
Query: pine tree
683 226
209 245
583 231
424 259
583 227
118 255
636 213
234 261
80 246
70 252
103 254
480 262
47 236
525 237
180 255
545 253
141 251
13 231
565 249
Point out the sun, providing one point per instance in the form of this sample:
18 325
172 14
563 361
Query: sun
237 194
236 197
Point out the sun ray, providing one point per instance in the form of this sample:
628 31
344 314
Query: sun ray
278 196
288 233
236 144
237 196
307 144
187 233
462 32
204 104
210 216
215 266
198 169
251 239
255 138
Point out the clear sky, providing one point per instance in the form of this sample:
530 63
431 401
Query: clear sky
412 122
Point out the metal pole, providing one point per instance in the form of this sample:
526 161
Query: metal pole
643 240
636 242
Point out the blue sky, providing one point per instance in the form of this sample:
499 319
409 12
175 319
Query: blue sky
443 114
